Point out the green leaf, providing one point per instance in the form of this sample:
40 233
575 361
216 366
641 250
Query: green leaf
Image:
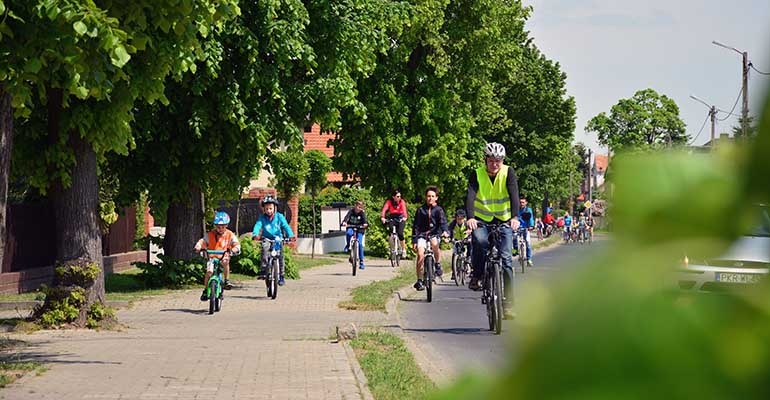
2 7
120 56
33 65
80 27
81 92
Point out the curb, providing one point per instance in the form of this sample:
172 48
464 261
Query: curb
361 382
31 304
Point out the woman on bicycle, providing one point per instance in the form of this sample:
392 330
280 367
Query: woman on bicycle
429 223
356 216
272 225
394 209
220 238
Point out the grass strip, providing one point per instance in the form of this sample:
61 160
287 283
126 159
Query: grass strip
305 262
373 296
390 369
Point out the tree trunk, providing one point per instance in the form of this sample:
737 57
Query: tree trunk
183 226
312 249
6 143
78 233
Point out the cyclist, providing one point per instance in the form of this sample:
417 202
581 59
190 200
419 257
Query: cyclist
459 229
548 221
590 224
429 222
493 190
356 216
272 225
581 227
220 238
567 224
395 210
526 220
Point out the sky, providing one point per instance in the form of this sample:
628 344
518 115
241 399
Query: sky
610 49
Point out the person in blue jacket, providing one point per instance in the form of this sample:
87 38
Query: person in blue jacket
526 221
271 225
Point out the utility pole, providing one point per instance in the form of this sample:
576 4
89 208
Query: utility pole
745 113
712 114
745 87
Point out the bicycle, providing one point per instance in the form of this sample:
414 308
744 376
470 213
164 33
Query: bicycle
428 267
272 263
521 234
214 287
460 261
566 234
492 278
394 243
353 247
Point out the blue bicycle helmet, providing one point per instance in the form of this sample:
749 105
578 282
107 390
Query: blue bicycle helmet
221 218
269 199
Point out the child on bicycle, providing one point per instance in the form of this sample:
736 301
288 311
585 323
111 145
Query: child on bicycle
356 216
429 222
459 229
527 221
220 238
271 225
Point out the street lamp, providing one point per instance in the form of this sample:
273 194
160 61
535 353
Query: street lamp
712 114
745 73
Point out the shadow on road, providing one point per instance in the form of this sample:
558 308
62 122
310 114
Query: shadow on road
454 331
186 310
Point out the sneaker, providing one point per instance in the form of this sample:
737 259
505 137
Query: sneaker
439 272
281 282
204 297
419 285
474 284
529 263
345 249
361 266
228 285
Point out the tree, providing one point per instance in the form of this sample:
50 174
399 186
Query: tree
751 128
319 164
290 169
95 62
648 120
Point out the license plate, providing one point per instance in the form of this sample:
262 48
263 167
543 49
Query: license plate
733 277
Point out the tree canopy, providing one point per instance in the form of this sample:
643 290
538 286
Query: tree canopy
647 120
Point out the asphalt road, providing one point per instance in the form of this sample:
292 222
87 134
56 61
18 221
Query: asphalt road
452 331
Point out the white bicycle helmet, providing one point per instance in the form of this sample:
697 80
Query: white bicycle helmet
494 150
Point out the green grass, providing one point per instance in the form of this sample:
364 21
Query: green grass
12 370
305 262
390 368
375 295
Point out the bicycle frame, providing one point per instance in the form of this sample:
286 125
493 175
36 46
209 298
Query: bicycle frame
428 265
272 261
354 243
214 286
521 239
394 243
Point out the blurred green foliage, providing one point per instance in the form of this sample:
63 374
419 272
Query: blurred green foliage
619 328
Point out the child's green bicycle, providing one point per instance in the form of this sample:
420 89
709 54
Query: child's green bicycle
214 287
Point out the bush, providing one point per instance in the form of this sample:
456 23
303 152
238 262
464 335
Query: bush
248 262
172 273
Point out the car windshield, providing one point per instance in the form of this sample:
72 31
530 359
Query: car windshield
763 228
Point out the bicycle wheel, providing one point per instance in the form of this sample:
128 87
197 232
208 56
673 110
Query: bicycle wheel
274 275
489 299
393 246
463 270
354 255
456 259
522 255
428 266
213 295
497 297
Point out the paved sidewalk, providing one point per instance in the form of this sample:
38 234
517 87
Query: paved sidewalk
255 348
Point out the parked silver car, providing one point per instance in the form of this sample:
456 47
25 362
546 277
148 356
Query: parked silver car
746 261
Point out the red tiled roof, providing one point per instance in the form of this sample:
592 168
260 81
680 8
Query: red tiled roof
317 140
601 160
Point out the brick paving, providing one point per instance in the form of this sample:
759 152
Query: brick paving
255 348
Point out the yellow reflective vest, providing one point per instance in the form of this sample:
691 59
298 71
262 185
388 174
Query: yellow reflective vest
492 199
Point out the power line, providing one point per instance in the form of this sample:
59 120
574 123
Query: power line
734 105
700 130
758 71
